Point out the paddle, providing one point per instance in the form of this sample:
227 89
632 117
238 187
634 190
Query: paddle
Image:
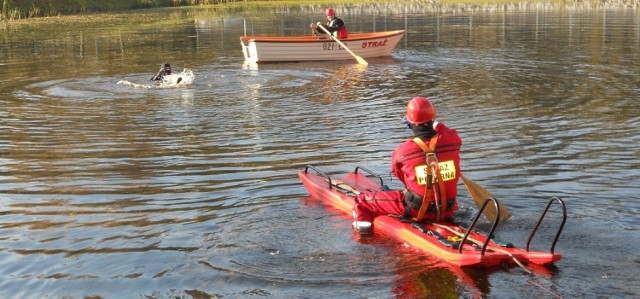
479 195
358 58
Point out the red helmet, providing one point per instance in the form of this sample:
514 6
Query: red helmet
420 111
330 12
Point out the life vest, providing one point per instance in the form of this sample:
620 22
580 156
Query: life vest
341 33
431 168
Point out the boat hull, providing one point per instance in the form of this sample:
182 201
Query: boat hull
430 242
316 48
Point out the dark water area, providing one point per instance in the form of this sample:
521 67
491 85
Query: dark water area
111 191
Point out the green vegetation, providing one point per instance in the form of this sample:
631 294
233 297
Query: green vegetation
22 9
19 9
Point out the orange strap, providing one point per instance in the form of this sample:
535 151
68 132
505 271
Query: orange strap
432 144
440 190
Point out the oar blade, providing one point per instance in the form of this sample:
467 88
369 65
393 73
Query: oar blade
480 195
361 60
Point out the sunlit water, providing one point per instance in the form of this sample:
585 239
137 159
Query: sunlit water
113 191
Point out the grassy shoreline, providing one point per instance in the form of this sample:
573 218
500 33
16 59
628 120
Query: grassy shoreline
30 9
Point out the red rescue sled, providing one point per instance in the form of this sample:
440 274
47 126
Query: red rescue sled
446 240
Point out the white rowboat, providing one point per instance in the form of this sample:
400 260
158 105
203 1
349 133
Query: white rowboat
307 48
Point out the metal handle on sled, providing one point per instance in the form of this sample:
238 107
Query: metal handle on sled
473 224
544 212
369 172
306 168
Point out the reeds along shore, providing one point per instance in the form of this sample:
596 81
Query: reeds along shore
20 9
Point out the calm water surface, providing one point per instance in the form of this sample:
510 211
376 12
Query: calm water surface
110 191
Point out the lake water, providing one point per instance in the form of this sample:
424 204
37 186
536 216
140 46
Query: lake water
110 191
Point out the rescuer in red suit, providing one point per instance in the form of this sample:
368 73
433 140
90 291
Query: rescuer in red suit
334 25
428 164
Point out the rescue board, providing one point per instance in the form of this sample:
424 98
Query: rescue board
445 240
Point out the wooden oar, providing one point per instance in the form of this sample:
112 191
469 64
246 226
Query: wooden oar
358 58
479 195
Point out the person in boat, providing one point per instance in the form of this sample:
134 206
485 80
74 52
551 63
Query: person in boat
334 25
165 69
428 164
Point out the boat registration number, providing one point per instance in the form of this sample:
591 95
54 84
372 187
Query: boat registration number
331 46
447 171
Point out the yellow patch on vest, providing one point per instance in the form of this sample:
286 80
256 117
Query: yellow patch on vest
447 171
421 174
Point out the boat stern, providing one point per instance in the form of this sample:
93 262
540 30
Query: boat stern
249 49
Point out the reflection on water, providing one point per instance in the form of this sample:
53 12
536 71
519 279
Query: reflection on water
192 192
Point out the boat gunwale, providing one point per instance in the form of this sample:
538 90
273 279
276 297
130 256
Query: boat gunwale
317 39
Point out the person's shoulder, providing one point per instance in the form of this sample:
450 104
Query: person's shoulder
406 145
450 133
439 127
